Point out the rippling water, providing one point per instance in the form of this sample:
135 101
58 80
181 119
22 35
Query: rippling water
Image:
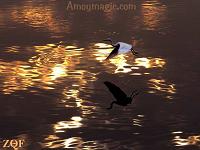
52 71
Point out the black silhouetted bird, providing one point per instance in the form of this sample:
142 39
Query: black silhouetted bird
121 98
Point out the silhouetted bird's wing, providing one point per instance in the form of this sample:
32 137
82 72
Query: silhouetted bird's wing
114 52
116 91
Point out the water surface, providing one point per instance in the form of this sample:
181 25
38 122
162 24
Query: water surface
52 71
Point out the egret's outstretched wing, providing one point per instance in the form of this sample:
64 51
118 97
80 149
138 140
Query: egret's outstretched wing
114 52
116 91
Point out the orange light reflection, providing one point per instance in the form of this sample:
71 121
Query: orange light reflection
38 16
154 13
61 126
150 62
190 140
162 86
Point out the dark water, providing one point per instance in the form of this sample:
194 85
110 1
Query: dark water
52 72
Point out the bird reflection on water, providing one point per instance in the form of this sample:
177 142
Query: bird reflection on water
121 97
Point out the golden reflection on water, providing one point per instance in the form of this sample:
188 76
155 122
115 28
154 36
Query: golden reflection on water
121 64
138 121
15 76
124 63
77 143
150 62
13 49
154 13
71 96
61 126
162 86
36 15
190 140
53 141
58 71
74 142
42 70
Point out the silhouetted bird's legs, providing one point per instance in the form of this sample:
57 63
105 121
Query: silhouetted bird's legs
111 105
